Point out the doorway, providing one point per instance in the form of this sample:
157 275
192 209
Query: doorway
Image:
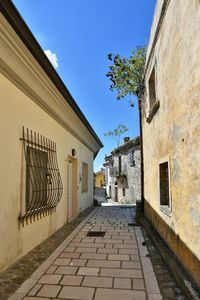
72 189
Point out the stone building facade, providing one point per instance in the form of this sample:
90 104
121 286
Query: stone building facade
122 172
171 130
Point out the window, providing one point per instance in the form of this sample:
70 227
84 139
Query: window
154 104
123 192
152 89
42 184
120 164
84 177
164 184
132 159
36 178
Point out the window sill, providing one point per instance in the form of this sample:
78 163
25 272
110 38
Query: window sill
153 111
166 210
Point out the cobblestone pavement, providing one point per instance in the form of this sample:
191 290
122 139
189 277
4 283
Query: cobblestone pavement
17 273
115 265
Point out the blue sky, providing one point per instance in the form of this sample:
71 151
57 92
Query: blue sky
81 33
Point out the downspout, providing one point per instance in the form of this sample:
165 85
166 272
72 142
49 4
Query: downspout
142 158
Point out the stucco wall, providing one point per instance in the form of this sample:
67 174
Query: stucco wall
173 135
18 110
99 180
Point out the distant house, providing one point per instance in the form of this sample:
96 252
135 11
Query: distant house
171 130
47 144
100 178
122 172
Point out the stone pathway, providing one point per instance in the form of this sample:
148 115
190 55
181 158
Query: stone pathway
115 265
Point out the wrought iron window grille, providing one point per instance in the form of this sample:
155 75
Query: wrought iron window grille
43 184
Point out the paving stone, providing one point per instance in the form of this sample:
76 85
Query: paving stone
118 257
49 291
92 281
135 257
17 297
88 271
69 249
41 270
113 241
66 270
97 260
87 240
151 283
125 246
119 294
138 284
26 286
69 255
121 237
131 265
71 280
127 273
146 264
122 283
35 298
78 262
35 289
93 256
50 279
62 261
51 270
107 251
103 263
88 245
128 251
86 250
130 242
71 292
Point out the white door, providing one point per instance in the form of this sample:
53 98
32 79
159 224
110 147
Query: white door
69 213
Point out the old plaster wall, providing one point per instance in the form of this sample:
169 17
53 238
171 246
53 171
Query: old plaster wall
18 110
173 135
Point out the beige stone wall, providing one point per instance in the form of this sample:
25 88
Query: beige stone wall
18 110
28 98
174 133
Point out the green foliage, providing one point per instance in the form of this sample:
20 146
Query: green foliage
126 74
117 132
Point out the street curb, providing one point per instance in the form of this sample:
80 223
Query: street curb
180 274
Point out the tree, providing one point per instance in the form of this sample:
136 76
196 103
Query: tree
117 132
126 74
127 77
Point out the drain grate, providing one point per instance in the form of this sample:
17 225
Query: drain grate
96 233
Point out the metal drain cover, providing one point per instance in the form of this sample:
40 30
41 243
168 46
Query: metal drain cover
96 233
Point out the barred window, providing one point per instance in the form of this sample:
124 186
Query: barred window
84 177
36 178
43 188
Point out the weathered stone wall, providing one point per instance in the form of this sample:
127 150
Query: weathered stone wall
173 134
131 180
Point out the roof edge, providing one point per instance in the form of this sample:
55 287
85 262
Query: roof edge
12 15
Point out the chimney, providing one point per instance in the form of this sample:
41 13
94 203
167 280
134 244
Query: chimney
126 139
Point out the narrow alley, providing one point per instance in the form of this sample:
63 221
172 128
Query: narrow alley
104 257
